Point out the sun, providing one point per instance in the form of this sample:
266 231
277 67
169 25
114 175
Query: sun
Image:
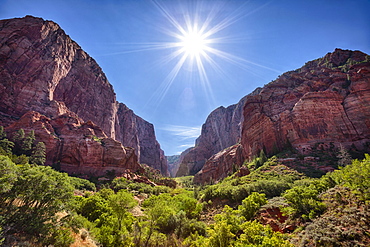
193 42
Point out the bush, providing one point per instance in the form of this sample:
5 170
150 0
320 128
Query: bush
252 204
82 184
304 200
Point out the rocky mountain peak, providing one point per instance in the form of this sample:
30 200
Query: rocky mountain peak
325 103
44 70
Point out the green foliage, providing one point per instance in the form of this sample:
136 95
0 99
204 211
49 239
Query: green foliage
233 218
221 235
185 181
8 174
82 184
27 142
252 204
355 176
123 183
120 203
256 234
258 161
93 207
271 179
173 213
34 198
304 199
346 221
38 155
232 229
58 236
6 146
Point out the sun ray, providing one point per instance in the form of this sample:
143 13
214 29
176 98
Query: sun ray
196 43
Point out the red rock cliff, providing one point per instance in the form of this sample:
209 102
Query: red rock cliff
43 70
326 101
222 129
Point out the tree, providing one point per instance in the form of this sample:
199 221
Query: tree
221 235
6 146
18 138
27 143
344 157
252 204
121 203
304 199
263 157
36 196
8 174
355 176
38 154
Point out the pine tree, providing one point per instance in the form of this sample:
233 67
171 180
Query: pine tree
5 144
18 138
38 154
263 157
28 142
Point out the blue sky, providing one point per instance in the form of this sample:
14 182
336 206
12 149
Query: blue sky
249 43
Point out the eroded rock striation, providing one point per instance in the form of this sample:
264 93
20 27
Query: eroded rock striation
325 102
221 130
43 70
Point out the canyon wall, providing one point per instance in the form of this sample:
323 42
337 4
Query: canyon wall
43 70
325 102
221 130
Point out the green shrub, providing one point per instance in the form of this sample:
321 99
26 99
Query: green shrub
82 184
252 204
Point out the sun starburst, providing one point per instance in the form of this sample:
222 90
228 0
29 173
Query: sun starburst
196 36
193 42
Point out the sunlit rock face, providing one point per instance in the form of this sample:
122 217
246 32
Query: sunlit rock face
77 147
43 70
220 165
327 101
222 129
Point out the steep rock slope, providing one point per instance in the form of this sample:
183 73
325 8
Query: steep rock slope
173 164
77 147
325 102
222 129
43 70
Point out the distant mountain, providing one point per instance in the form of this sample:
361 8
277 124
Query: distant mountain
173 162
62 92
324 104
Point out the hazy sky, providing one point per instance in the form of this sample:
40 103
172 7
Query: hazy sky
145 49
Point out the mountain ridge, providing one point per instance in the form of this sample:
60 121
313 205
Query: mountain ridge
44 70
324 102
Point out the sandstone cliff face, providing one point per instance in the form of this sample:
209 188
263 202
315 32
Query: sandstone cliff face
43 70
133 131
220 165
326 101
78 147
173 162
222 129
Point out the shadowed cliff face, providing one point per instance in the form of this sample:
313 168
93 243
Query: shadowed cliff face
326 101
222 129
43 70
